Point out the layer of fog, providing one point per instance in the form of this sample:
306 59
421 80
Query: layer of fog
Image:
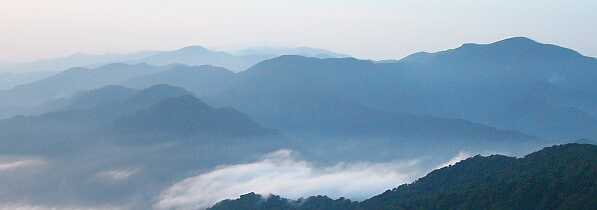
459 157
11 164
25 206
117 175
282 173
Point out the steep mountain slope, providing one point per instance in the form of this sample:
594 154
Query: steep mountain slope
559 177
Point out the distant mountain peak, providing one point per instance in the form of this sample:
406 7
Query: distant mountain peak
300 58
509 50
194 48
116 65
517 42
519 39
294 63
513 41
205 67
293 57
303 50
165 89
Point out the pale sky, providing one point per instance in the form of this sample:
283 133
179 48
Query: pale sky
375 29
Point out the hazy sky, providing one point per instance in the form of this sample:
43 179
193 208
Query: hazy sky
378 29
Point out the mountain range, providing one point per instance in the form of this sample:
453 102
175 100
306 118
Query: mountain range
512 89
121 133
192 55
54 65
515 84
155 114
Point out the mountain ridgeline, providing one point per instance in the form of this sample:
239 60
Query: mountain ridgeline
517 84
558 177
191 55
478 96
150 115
121 133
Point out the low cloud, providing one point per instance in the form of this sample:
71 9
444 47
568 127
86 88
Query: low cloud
283 174
18 206
117 174
459 157
13 165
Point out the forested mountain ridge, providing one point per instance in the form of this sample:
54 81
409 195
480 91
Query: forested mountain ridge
557 177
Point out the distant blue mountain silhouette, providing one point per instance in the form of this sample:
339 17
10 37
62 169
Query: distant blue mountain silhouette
516 84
